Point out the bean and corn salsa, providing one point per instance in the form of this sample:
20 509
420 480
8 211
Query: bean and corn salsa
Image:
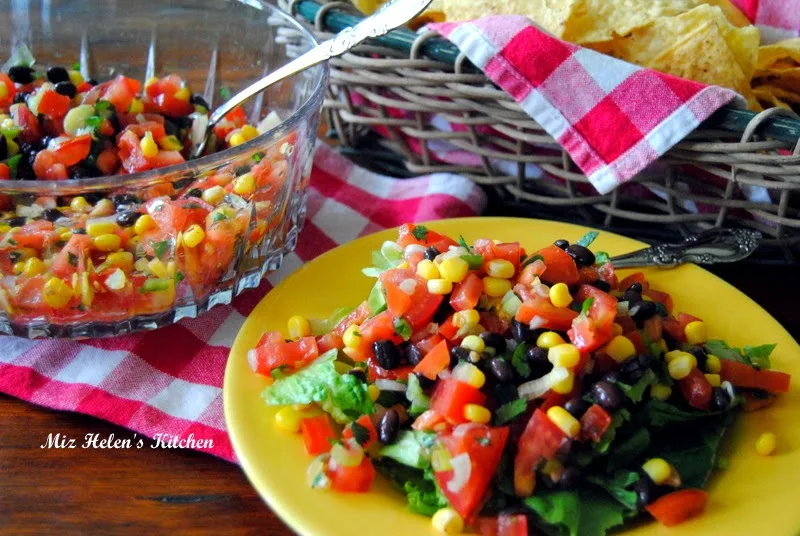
107 256
515 393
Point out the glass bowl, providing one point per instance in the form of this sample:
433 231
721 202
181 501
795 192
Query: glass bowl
165 272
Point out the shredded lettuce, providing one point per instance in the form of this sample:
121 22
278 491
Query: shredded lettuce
376 301
321 327
381 263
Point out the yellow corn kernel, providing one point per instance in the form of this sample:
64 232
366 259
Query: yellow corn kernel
79 204
766 443
427 270
352 337
141 265
564 355
299 327
136 107
565 386
447 521
660 391
454 269
104 207
713 364
616 329
714 379
244 184
107 242
440 286
19 267
5 228
157 268
144 224
560 296
477 413
548 339
681 366
34 266
3 91
214 195
470 317
148 145
672 354
75 77
236 139
56 293
620 348
658 470
150 81
249 132
495 287
696 332
500 268
566 422
87 293
96 229
288 420
473 343
121 259
169 143
183 94
373 392
12 147
403 265
470 374
193 236
26 253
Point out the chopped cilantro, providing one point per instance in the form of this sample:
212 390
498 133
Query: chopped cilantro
420 232
586 305
76 66
179 276
510 411
94 121
484 441
403 328
519 361
532 259
463 243
587 239
474 261
225 93
160 248
72 259
601 257
257 157
219 216
13 164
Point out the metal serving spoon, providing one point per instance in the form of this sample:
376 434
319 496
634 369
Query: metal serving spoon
708 247
390 16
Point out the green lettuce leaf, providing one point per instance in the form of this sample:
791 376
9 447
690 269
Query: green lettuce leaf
422 493
636 391
752 355
586 512
321 327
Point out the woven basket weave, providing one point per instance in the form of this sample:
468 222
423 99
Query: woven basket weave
710 170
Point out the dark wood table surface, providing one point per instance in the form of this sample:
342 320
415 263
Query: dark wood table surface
157 491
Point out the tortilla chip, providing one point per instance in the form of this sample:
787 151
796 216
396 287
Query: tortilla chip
781 93
550 14
786 52
768 97
732 13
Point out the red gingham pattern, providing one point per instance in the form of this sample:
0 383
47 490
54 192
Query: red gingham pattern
612 117
777 19
169 381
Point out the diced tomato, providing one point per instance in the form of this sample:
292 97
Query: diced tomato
661 297
594 423
448 329
365 422
483 447
467 293
673 328
504 525
608 274
267 357
696 389
329 341
429 420
638 341
684 319
166 158
130 153
553 399
561 267
588 275
427 344
653 327
559 318
70 151
531 272
66 261
140 129
493 322
53 104
317 434
126 119
5 171
120 92
636 277
397 301
24 118
107 161
10 91
743 375
34 234
352 479
509 251
434 361
378 328
540 440
179 214
270 337
676 507
591 331
360 314
423 303
451 396
429 238
376 372
626 322
173 107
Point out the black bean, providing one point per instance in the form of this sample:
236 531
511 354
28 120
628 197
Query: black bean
3 148
194 192
67 89
700 355
17 221
645 491
576 406
84 172
388 426
124 199
52 214
386 354
501 370
198 100
412 354
582 255
494 340
443 312
561 243
431 253
644 310
612 376
358 373
636 287
632 297
521 332
570 478
720 399
633 369
21 74
92 82
534 354
20 98
128 218
94 197
539 369
458 353
57 74
608 395
602 285
424 381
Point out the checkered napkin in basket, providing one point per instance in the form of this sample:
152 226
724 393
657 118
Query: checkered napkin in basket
612 117
169 381
777 19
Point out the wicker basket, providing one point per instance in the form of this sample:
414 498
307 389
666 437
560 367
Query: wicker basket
738 169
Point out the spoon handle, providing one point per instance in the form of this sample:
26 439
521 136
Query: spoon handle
708 247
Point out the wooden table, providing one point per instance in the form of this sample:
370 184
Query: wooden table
156 491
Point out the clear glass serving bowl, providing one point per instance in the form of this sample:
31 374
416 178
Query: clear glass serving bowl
218 47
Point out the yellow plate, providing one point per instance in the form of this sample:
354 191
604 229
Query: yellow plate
754 495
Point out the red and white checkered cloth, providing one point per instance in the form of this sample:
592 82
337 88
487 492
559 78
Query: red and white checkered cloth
169 381
777 19
612 117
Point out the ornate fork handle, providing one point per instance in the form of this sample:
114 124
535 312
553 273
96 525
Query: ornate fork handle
708 247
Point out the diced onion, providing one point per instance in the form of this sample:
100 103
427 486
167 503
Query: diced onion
411 249
117 280
538 267
542 290
271 121
390 385
199 126
538 322
32 211
622 308
455 251
539 387
462 470
510 303
728 386
252 359
408 286
462 429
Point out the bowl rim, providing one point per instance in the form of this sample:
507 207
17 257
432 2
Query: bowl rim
155 176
